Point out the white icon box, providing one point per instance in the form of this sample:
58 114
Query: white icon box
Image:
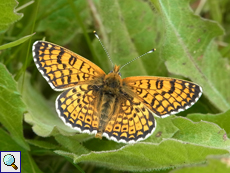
10 161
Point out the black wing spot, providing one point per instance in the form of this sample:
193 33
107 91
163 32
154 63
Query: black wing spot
172 89
72 60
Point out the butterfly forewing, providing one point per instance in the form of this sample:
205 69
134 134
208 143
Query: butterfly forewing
164 96
61 67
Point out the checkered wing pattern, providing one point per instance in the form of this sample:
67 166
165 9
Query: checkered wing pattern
61 67
76 107
133 122
164 96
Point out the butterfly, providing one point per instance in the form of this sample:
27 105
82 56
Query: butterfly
106 105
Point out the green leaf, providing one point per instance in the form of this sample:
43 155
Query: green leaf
7 14
201 133
129 29
103 144
222 119
11 107
214 165
59 19
27 163
190 51
164 129
71 143
148 156
17 42
42 144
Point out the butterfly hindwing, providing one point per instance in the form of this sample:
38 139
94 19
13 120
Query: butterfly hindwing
76 107
133 122
61 67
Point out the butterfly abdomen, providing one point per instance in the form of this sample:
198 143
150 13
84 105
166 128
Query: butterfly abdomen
107 109
109 96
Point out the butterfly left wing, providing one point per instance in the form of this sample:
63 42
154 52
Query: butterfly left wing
63 68
76 107
164 96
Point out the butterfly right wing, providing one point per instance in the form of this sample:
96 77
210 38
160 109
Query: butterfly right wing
132 122
61 67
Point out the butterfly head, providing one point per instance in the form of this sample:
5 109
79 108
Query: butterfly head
113 81
116 70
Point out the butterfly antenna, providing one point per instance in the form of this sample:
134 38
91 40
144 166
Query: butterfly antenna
95 33
151 51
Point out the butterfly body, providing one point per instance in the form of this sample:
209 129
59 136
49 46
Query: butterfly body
103 104
110 96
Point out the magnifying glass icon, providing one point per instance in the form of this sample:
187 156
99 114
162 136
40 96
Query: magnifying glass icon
9 160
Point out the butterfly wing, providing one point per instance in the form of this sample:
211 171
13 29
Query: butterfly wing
61 67
76 107
163 96
133 121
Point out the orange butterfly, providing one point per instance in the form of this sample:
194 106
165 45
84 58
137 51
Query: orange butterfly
105 104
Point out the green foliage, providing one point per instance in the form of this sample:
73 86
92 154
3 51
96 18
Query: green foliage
12 107
202 133
8 14
167 154
214 164
190 45
221 119
15 43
